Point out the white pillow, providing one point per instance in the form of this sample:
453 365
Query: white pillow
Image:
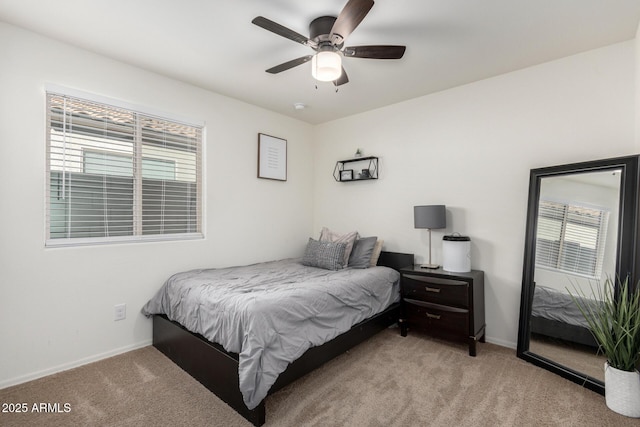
327 235
376 252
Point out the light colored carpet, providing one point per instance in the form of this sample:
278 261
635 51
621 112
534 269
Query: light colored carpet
387 381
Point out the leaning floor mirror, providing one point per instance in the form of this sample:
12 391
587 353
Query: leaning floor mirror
581 228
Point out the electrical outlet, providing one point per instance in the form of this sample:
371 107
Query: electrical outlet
119 311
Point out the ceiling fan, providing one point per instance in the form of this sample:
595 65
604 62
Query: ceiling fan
327 35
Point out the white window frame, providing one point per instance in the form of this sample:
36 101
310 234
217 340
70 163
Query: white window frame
568 214
137 235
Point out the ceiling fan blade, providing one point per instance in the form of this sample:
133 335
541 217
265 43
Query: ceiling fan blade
342 79
375 52
280 30
350 17
289 64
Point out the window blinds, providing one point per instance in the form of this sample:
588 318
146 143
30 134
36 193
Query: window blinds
117 174
571 238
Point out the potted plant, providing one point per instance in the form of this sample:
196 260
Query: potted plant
614 321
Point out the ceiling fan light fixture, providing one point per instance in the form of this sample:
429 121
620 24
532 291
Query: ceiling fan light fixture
326 66
327 35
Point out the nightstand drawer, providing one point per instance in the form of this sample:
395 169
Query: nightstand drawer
436 290
436 318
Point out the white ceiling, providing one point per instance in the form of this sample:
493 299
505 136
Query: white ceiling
212 43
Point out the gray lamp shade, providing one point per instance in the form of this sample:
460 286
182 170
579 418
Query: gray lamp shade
431 217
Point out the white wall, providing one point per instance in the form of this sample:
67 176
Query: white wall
471 148
56 305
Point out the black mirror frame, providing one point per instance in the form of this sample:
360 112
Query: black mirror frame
626 259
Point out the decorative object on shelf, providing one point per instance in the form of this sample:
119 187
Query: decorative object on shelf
430 217
370 172
346 175
272 157
358 153
456 253
615 324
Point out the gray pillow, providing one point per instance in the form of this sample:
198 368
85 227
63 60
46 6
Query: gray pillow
361 252
327 255
327 235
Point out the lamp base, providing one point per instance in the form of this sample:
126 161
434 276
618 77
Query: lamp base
430 266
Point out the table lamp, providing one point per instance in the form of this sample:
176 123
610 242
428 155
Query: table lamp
429 217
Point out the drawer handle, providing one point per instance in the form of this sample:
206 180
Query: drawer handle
433 316
428 289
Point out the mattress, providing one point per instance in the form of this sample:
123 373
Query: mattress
271 313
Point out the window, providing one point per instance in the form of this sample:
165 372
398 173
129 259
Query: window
114 174
571 238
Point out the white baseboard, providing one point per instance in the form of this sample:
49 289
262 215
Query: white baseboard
502 343
66 366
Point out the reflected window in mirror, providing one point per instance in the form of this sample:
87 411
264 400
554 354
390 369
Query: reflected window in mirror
571 238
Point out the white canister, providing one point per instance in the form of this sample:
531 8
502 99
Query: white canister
456 253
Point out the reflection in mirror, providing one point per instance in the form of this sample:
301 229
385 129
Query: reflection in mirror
581 229
575 249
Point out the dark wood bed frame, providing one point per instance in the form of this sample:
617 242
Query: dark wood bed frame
217 369
564 331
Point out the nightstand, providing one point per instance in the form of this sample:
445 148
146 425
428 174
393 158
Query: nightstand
449 305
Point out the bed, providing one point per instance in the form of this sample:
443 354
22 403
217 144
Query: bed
241 365
555 314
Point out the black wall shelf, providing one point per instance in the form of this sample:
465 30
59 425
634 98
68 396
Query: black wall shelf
356 169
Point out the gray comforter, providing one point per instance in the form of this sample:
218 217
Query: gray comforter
553 304
271 313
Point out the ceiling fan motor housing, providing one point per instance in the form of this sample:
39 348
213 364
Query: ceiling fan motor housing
320 28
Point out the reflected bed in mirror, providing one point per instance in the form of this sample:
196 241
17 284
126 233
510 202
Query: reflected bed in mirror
581 229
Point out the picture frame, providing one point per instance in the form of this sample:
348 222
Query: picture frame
272 157
346 175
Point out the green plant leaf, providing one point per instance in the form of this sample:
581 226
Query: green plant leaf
614 322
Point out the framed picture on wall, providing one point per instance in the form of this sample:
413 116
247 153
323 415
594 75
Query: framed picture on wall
346 175
272 157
